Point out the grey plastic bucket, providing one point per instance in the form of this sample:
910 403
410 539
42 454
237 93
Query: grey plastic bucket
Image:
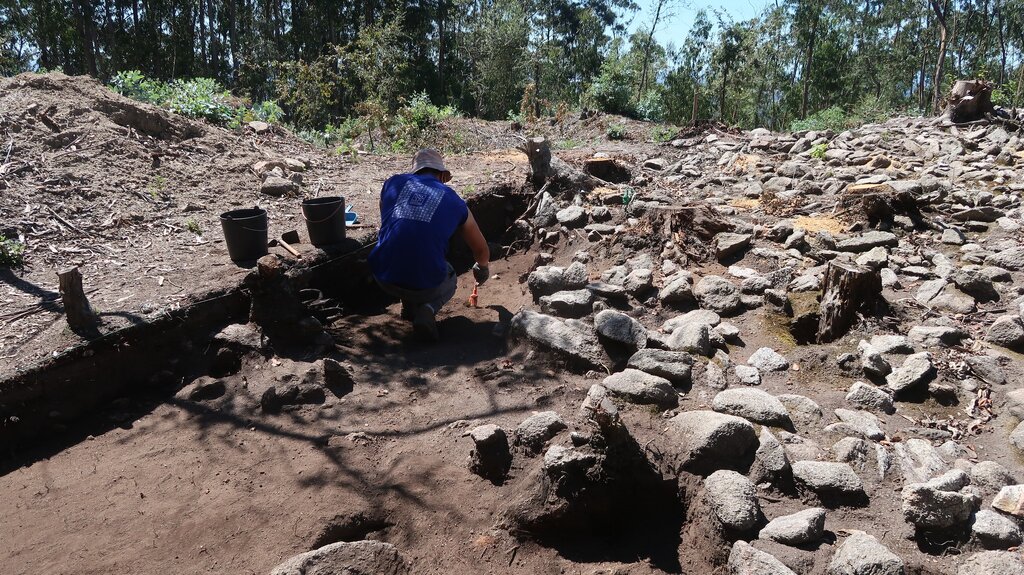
325 220
245 233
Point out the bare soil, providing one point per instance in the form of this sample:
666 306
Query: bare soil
218 486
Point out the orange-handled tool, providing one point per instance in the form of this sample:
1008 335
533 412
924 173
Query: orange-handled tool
473 297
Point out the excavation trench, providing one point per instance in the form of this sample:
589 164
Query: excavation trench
116 378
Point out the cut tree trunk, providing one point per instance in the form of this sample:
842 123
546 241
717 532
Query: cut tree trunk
848 288
545 167
969 100
878 205
76 306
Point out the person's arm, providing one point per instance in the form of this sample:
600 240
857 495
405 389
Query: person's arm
474 238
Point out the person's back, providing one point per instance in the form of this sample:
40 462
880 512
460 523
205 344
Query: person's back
419 215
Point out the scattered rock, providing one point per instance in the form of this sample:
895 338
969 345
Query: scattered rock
747 375
800 528
356 558
862 554
869 397
733 498
1007 331
535 430
704 441
992 563
1010 500
990 477
995 530
828 478
491 458
916 370
558 336
718 294
637 386
729 244
928 506
754 405
770 461
744 559
621 328
767 359
674 366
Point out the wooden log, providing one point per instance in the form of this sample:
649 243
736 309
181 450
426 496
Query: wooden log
969 100
79 313
848 288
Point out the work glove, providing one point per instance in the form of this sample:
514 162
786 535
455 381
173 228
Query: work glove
481 273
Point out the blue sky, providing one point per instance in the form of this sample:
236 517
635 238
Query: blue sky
675 30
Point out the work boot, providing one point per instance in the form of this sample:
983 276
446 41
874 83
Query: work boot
423 324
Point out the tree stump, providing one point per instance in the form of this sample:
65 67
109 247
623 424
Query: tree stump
969 100
545 167
848 288
76 306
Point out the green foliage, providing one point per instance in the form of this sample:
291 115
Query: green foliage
196 98
419 114
201 98
833 118
650 106
616 132
193 226
610 92
663 134
818 152
12 252
267 111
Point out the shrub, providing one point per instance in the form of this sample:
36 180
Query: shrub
818 152
12 252
610 92
616 132
663 133
833 118
195 98
650 106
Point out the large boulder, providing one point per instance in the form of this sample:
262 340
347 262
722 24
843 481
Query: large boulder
346 558
705 441
744 559
733 498
799 528
637 386
718 294
565 338
535 430
862 554
754 405
620 328
827 478
929 506
675 366
916 370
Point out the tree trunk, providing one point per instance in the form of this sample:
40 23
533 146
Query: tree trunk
848 288
940 59
969 100
647 49
79 313
807 66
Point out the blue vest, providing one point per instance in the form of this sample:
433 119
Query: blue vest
418 216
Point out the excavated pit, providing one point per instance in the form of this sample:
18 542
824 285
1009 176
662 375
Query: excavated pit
45 409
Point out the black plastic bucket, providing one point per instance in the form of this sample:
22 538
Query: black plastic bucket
245 232
325 220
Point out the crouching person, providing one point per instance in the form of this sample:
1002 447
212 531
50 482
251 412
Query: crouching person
419 214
